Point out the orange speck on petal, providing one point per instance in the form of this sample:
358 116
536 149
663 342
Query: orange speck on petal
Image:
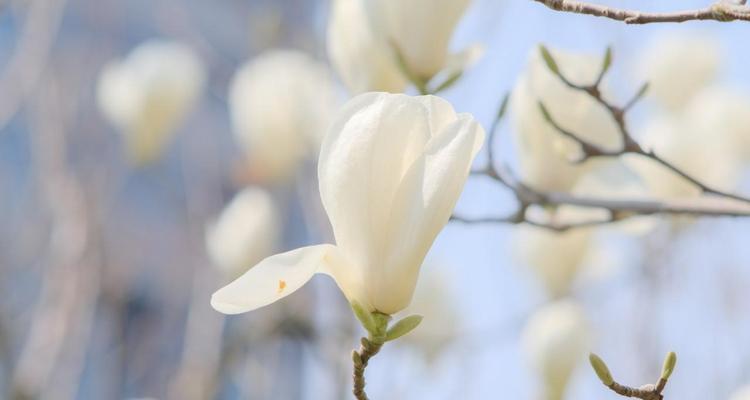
282 285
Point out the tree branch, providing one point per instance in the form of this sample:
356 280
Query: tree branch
713 203
367 349
722 10
629 144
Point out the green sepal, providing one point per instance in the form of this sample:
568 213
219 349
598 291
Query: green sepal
403 327
607 61
364 317
549 60
448 82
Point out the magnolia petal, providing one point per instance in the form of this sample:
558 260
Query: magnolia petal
421 37
363 59
368 149
422 207
272 279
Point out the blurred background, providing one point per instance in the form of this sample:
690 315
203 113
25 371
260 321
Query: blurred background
110 247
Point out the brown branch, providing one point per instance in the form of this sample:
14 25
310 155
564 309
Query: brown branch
360 358
618 209
714 203
645 392
721 10
629 144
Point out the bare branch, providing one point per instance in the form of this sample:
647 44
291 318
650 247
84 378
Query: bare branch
630 145
722 10
645 392
713 203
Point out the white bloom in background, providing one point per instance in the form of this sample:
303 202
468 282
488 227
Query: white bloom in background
366 36
421 30
246 231
147 94
723 114
544 153
677 66
554 257
435 300
363 59
555 340
742 393
701 151
390 172
281 104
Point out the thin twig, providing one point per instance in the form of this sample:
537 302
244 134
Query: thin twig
360 358
723 11
629 144
645 392
714 203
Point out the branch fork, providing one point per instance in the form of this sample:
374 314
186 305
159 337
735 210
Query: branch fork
646 392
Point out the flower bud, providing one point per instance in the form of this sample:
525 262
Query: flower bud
281 104
147 95
678 66
669 363
601 369
545 154
555 339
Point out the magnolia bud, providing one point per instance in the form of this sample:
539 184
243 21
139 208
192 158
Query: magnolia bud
147 95
601 369
555 339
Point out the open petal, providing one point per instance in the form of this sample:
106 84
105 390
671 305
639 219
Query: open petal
423 205
373 142
272 279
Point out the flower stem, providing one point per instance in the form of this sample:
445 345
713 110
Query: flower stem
367 349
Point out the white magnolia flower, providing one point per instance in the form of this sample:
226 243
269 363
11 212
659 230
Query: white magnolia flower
246 232
544 153
742 393
722 113
281 104
366 36
148 94
391 169
554 257
678 66
363 59
555 340
700 150
421 30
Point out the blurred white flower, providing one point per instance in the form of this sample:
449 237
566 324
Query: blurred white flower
421 30
554 257
722 113
366 36
281 104
363 59
544 153
435 300
742 393
689 143
391 169
555 339
246 231
677 66
147 94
